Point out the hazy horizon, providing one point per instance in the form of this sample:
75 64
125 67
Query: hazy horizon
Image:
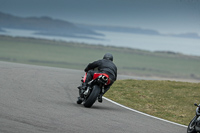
171 16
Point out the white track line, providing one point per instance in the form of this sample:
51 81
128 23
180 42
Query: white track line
143 113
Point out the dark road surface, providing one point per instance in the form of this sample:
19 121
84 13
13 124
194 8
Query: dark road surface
35 99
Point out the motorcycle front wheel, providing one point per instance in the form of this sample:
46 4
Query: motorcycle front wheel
191 126
92 97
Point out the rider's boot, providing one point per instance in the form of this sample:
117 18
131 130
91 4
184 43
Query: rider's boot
84 86
82 89
79 101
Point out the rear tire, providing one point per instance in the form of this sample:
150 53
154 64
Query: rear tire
191 128
92 97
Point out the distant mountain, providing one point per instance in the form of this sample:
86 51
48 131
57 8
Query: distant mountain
121 29
186 35
45 26
137 31
57 27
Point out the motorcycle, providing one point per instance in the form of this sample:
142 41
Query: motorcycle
94 89
194 126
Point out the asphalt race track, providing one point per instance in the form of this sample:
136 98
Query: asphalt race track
35 99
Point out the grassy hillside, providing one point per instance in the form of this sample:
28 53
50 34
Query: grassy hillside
77 56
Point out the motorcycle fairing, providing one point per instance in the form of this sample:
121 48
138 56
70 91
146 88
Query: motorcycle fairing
84 78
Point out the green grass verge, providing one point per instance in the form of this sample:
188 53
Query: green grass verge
169 100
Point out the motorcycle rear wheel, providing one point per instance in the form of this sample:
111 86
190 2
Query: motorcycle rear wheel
92 97
191 126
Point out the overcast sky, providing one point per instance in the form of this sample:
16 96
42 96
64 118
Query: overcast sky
165 16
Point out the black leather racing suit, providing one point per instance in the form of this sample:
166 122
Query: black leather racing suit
104 66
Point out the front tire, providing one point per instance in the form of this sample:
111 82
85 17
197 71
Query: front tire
191 126
92 97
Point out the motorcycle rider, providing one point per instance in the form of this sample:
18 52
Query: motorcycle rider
104 65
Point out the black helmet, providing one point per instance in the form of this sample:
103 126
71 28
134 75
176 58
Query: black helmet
108 56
